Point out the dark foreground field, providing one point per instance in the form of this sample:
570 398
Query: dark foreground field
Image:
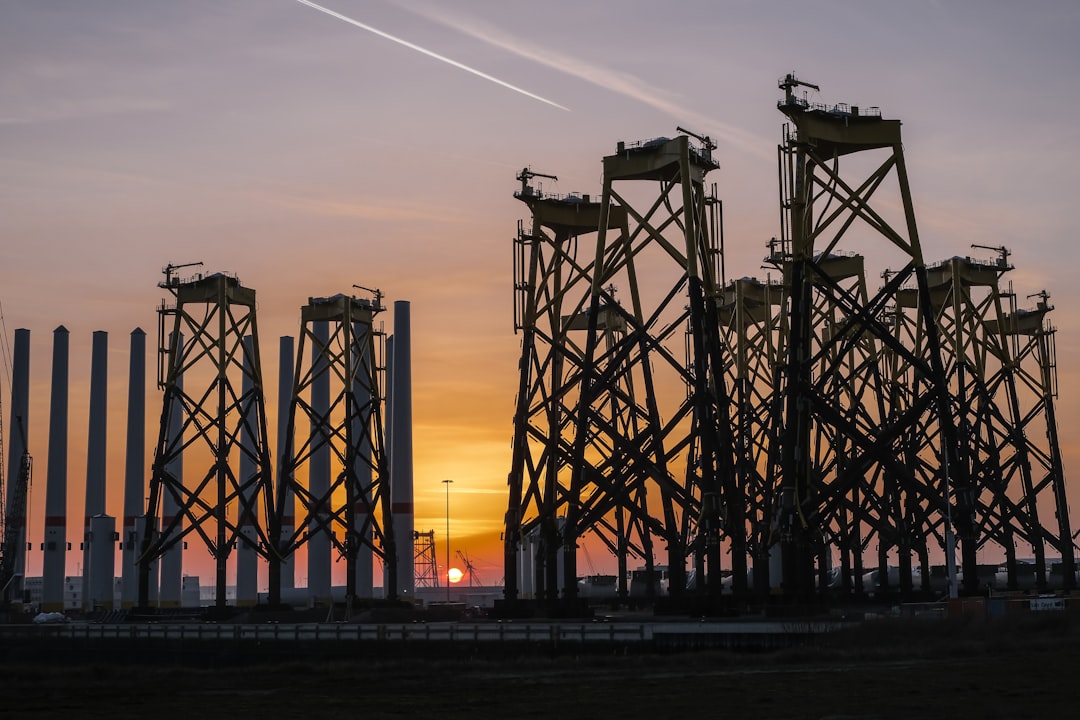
1016 668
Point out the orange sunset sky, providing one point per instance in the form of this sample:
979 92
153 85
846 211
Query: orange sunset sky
305 155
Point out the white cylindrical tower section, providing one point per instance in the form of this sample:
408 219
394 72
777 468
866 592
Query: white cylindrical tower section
318 546
96 439
526 563
15 503
101 563
362 466
388 416
247 557
401 452
55 545
135 470
388 435
286 353
170 592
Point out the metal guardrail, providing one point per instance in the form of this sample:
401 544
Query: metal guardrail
425 632
842 109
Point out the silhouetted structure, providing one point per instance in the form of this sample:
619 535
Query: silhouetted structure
599 448
205 412
336 397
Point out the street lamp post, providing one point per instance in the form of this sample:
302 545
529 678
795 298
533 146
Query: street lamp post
447 484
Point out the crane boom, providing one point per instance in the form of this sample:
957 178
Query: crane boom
789 82
526 175
167 271
374 291
706 142
1001 250
470 569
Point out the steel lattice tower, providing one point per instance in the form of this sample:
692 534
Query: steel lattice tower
552 278
847 378
202 392
427 567
850 375
638 471
353 511
1033 379
914 492
966 297
754 330
822 206
992 395
679 454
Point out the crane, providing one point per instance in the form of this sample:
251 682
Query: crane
374 291
470 569
1001 250
1044 300
706 142
526 175
15 517
168 272
788 83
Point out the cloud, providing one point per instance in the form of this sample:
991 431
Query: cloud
59 110
391 211
620 83
432 54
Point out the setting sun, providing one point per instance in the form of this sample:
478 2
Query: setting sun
454 575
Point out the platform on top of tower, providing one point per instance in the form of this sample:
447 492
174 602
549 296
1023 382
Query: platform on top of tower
656 159
969 271
332 306
1022 322
574 218
608 317
207 289
836 129
843 111
574 199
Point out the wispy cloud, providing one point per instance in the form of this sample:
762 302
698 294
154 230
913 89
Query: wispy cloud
61 110
431 54
624 84
389 211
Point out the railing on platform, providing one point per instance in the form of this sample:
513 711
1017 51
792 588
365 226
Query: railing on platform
425 632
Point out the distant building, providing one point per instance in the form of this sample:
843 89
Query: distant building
73 588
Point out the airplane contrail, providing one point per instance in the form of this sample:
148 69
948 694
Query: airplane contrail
435 55
611 80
